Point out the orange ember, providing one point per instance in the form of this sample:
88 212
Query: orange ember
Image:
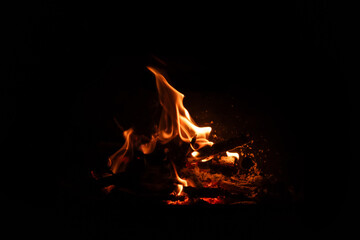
217 200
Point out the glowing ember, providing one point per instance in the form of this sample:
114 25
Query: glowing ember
217 200
195 153
185 201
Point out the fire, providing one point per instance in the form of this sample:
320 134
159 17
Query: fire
180 180
207 159
195 153
180 188
175 121
232 154
119 159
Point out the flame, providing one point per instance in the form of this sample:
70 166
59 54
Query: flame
180 189
195 153
207 159
180 180
175 119
233 154
119 160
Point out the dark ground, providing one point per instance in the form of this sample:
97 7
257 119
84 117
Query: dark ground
72 68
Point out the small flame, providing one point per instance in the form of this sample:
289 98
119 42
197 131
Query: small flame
233 154
119 160
207 159
180 189
180 180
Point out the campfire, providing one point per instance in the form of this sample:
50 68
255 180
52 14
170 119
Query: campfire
183 163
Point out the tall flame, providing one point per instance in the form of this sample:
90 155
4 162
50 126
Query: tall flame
175 120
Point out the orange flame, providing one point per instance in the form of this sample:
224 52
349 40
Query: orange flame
119 160
180 188
175 121
233 154
180 180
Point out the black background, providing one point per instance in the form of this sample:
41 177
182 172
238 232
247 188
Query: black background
67 62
